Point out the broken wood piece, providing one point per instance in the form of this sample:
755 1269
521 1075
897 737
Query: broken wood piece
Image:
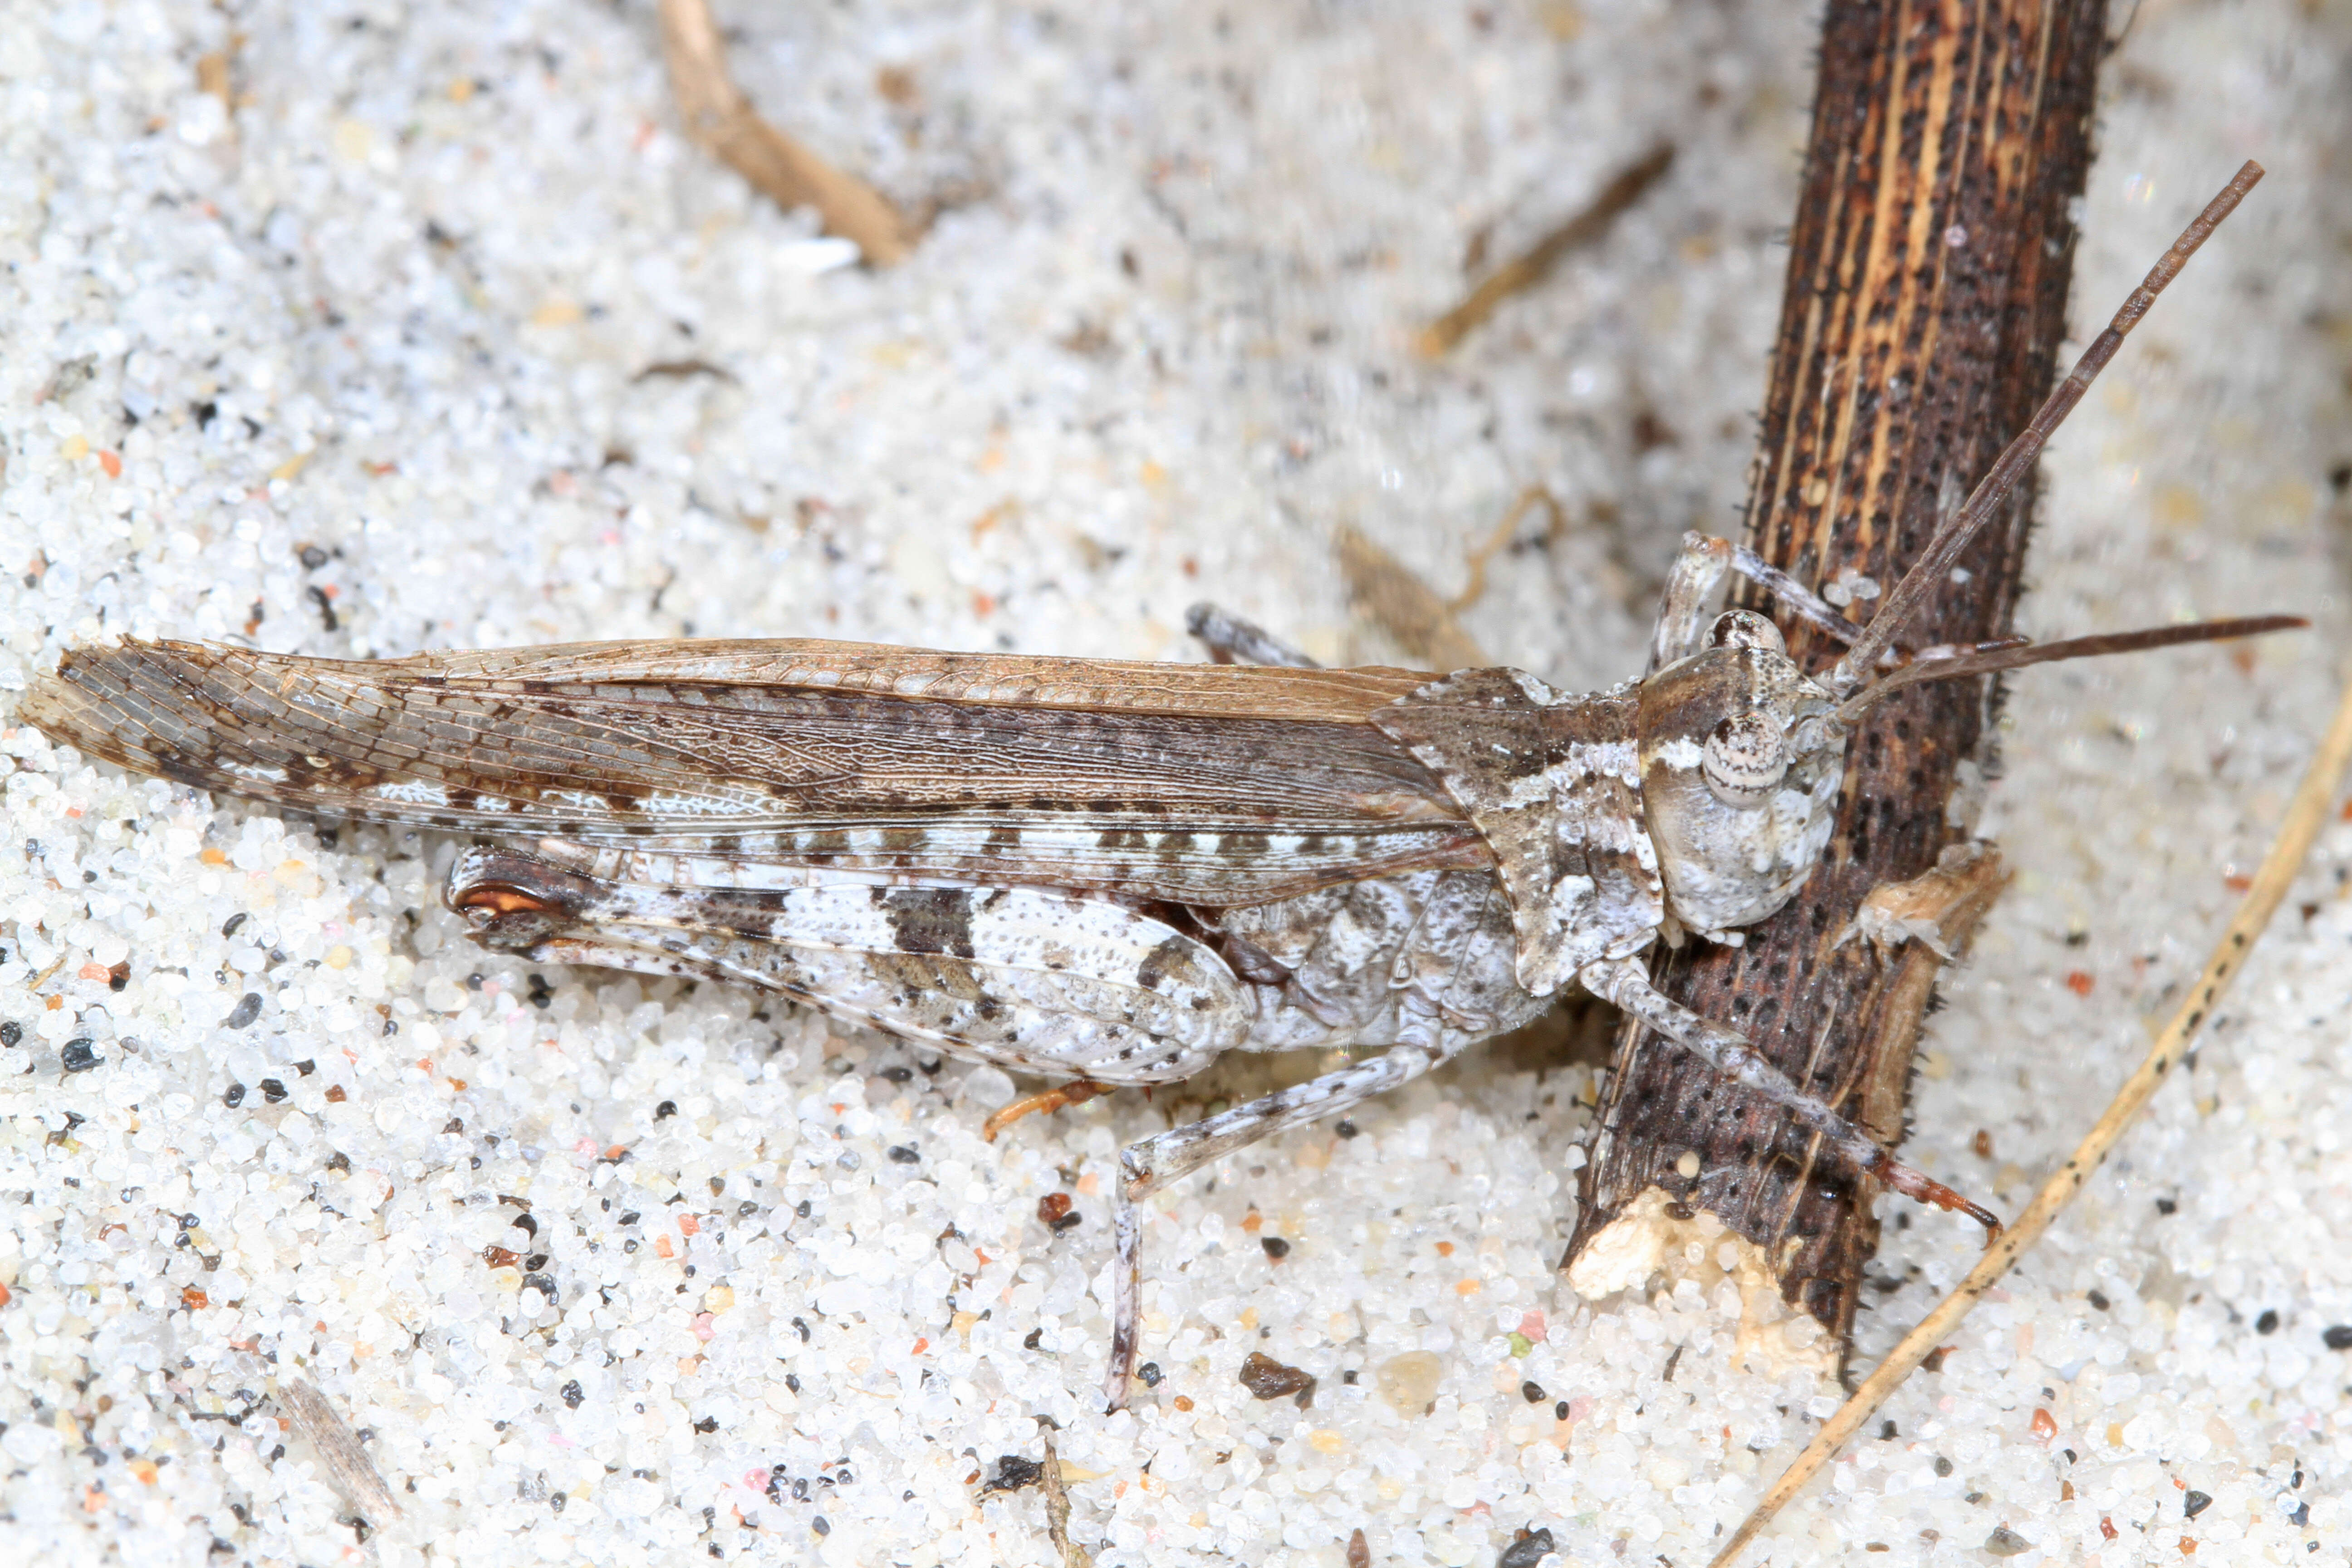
1525 270
1939 908
721 120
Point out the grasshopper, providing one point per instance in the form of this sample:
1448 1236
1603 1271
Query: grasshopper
1109 873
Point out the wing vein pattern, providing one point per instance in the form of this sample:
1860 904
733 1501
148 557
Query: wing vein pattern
1207 785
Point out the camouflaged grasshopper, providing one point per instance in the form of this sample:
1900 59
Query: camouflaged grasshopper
1109 873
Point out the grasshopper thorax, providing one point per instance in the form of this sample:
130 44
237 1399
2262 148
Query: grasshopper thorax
1741 758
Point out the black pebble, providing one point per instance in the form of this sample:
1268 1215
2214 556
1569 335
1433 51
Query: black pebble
1150 1373
1532 1392
11 1032
1029 1341
1559 1411
313 558
247 1009
1943 1466
1347 1128
1276 1248
904 1154
2336 1336
573 1394
80 1056
2195 1503
706 1425
228 926
1012 1473
2165 1206
2267 1324
235 1097
1527 1550
819 1525
2098 1299
272 1090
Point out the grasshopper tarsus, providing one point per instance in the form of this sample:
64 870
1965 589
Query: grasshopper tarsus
1920 1188
1077 1091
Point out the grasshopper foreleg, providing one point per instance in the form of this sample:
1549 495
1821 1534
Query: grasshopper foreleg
1145 1167
1622 984
1695 588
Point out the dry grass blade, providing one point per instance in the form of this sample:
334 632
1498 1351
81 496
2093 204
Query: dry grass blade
2305 815
1057 1512
348 1465
723 121
1525 271
1387 593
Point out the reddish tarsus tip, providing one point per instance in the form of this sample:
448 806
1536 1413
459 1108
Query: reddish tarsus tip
1923 1188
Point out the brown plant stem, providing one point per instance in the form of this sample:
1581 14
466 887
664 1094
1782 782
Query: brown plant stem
1925 304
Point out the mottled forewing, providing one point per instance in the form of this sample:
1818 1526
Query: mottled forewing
1213 786
1553 782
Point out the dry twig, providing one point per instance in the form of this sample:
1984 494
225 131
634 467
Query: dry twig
1526 270
1386 592
721 120
2306 814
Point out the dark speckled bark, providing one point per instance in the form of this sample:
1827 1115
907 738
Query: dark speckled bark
1925 304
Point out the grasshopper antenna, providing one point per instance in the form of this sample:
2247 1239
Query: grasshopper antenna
1982 661
2017 460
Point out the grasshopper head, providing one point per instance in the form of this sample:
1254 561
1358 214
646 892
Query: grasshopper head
1741 759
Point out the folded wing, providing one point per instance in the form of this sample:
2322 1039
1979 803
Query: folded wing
1196 784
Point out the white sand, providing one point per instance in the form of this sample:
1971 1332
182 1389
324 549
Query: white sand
1156 350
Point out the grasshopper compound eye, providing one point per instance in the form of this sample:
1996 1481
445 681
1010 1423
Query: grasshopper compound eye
1745 629
1745 758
